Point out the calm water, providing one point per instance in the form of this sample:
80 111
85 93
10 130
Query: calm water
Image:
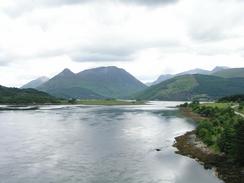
96 144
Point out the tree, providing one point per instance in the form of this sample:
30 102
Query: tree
227 142
240 142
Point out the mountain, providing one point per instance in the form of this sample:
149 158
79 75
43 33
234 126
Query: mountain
161 79
189 87
24 96
101 82
35 83
218 69
230 73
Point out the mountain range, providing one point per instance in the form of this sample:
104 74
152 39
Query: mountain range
195 86
165 77
113 82
101 82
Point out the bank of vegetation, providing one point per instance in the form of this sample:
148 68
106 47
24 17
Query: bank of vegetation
222 131
25 96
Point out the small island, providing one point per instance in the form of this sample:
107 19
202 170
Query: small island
109 102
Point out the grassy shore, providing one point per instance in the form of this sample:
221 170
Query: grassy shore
220 105
191 145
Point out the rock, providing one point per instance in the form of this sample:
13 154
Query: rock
192 147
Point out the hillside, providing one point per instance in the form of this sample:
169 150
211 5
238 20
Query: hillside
189 87
230 73
24 96
102 82
36 83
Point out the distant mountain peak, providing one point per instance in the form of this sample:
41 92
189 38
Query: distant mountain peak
161 78
36 83
219 68
66 72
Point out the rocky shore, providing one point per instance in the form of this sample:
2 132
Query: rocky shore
190 145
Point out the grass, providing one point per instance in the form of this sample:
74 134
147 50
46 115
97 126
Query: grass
218 105
240 110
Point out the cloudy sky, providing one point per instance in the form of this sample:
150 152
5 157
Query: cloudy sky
145 37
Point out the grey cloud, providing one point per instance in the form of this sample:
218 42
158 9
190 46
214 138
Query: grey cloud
150 2
241 51
124 52
207 35
103 54
217 27
4 59
89 57
24 6
139 2
213 51
3 62
100 52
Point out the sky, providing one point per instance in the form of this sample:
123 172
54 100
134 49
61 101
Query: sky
146 37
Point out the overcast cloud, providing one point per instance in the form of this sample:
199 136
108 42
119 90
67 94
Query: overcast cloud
147 38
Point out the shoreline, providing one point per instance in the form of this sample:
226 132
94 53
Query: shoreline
191 146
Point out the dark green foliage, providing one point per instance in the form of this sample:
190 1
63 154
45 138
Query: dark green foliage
233 98
24 96
221 129
72 101
240 142
227 141
184 105
205 131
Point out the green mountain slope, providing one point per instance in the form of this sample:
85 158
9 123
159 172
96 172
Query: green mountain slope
189 87
24 96
230 73
102 82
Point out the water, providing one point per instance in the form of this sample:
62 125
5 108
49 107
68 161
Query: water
96 144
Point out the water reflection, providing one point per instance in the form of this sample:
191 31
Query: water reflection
96 144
